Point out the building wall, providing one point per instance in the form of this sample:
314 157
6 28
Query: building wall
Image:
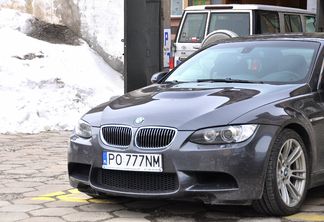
99 22
320 12
42 9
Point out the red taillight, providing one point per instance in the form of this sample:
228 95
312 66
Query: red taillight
171 62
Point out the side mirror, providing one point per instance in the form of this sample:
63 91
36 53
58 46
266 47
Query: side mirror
158 76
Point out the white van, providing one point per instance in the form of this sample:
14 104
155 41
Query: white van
242 20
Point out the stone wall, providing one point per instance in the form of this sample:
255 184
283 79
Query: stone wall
99 22
42 9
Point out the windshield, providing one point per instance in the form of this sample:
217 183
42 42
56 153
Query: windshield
279 62
235 22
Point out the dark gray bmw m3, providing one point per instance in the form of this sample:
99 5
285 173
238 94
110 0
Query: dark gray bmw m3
239 122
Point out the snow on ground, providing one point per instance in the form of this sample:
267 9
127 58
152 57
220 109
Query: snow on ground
46 86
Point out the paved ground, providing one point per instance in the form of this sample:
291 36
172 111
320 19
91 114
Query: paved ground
34 187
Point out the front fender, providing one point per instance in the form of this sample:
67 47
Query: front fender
288 114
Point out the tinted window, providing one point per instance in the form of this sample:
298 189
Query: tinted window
193 29
310 23
235 22
268 22
293 23
277 62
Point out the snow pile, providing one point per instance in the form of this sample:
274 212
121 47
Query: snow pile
15 20
46 86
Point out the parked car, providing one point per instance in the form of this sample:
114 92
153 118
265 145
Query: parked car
198 22
239 122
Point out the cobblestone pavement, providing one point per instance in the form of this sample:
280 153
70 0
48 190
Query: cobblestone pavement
34 187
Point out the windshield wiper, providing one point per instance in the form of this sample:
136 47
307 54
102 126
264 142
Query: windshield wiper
175 82
229 80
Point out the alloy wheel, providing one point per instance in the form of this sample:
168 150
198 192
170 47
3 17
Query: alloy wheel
291 172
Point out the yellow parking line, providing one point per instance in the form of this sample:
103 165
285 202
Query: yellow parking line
72 195
71 198
74 191
43 198
306 217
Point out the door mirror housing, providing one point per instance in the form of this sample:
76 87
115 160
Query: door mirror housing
156 77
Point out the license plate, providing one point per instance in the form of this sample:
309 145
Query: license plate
132 161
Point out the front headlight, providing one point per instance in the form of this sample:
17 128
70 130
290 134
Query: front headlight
223 135
83 129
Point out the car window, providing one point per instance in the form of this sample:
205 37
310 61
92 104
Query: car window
235 22
277 62
310 23
193 29
293 23
267 22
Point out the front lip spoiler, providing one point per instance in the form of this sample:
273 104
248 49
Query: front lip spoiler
193 189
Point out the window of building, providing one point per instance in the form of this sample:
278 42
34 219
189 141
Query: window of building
196 2
204 2
176 8
293 23
267 22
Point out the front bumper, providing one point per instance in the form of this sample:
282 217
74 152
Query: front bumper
227 174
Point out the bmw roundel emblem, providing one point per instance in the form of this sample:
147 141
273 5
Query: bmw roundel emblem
139 120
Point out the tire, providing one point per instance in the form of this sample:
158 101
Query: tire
216 36
286 182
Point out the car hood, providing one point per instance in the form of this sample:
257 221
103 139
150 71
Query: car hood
189 106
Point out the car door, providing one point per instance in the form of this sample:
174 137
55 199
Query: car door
316 117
